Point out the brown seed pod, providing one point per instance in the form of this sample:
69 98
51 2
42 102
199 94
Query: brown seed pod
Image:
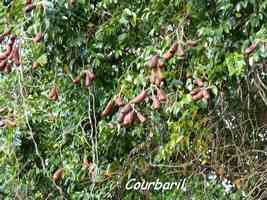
206 94
119 101
6 53
57 176
198 95
77 80
156 103
92 76
38 38
153 62
108 109
88 80
3 64
120 116
251 49
199 83
195 91
6 33
16 56
8 49
86 163
12 40
170 53
141 117
54 94
174 47
161 63
161 95
2 38
157 82
28 2
8 68
127 108
123 111
29 8
140 98
128 118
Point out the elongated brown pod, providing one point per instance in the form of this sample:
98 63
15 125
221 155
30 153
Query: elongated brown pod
3 64
153 62
28 2
206 94
38 38
108 109
199 83
170 53
54 94
6 53
140 98
123 111
2 38
156 103
13 39
161 63
91 75
174 47
6 33
198 95
77 80
251 49
141 117
161 95
128 118
57 176
195 91
86 163
8 68
29 8
88 80
16 56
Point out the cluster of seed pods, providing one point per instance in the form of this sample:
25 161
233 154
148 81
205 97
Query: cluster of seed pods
127 113
11 53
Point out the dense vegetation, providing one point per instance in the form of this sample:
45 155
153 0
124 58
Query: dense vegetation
93 93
